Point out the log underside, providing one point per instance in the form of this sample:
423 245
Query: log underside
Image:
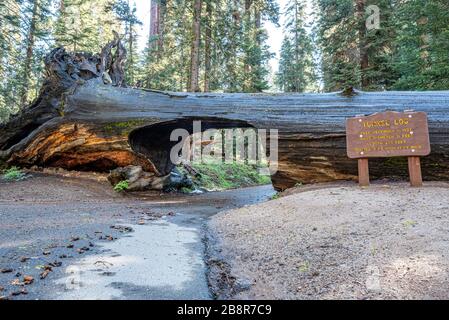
82 121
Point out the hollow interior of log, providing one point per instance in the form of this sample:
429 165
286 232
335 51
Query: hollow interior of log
153 141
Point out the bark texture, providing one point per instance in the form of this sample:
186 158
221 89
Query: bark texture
85 119
195 50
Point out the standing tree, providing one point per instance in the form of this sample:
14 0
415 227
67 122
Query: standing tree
127 16
296 66
83 25
337 38
195 48
352 53
10 57
421 57
207 44
24 39
29 51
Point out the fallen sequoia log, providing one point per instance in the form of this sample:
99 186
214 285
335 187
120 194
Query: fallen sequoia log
85 119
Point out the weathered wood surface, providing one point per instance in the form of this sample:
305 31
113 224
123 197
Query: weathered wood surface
82 121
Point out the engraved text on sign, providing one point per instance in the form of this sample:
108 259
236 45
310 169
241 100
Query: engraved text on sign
388 134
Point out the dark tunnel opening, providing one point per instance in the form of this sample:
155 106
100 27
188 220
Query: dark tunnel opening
153 141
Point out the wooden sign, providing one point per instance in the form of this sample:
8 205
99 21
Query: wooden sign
388 134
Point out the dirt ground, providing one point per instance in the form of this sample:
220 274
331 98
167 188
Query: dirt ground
388 241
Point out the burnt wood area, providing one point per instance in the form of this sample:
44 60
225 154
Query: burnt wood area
85 118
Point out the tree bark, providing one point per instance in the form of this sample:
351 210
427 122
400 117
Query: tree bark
29 54
297 89
82 121
247 66
154 24
131 53
364 59
157 21
207 46
195 52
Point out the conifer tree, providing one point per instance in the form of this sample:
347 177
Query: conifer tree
296 66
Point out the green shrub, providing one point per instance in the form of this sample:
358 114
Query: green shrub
186 190
122 186
275 196
13 174
221 176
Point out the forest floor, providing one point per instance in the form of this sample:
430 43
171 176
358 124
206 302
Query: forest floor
336 241
68 235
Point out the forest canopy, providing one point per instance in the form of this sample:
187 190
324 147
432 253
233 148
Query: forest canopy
210 45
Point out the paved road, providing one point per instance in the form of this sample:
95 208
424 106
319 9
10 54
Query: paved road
50 219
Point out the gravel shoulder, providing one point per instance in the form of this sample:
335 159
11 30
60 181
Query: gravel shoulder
335 242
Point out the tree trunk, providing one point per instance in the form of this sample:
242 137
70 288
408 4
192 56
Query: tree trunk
195 52
364 61
2 53
29 54
157 20
296 46
231 64
83 121
154 24
207 46
247 67
131 53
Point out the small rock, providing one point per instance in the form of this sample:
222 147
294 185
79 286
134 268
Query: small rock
46 253
70 246
24 259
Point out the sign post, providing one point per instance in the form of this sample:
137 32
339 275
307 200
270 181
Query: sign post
388 134
363 172
414 169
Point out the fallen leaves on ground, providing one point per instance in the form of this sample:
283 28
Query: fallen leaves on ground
122 229
55 264
28 280
46 271
8 270
17 293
